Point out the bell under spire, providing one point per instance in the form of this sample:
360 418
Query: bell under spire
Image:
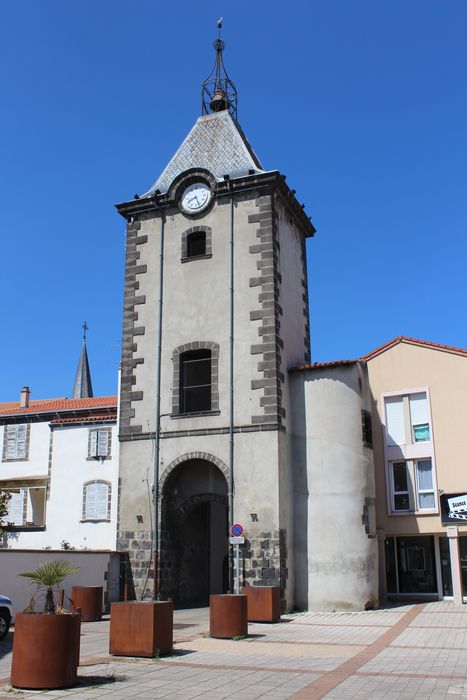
83 384
218 92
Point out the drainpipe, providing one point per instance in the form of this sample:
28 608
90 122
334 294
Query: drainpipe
155 483
231 387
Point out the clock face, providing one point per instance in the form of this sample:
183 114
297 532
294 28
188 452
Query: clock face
195 197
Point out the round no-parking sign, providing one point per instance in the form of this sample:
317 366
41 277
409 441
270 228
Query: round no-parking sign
236 530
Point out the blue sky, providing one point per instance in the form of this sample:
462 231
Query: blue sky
361 104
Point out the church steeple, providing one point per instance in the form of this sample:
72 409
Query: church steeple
83 384
218 91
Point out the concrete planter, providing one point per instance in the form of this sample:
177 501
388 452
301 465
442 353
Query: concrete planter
141 628
45 651
228 616
264 603
89 600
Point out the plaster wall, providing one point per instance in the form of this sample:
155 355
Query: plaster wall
402 368
96 569
38 456
70 470
341 545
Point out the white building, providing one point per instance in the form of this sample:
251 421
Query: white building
59 462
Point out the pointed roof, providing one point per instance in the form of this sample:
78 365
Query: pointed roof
216 143
83 384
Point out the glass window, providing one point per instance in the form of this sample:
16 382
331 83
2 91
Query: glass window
416 565
400 486
426 495
445 557
419 417
195 381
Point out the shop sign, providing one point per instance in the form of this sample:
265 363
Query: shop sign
453 508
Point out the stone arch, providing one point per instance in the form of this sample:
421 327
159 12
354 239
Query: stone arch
188 457
196 345
198 499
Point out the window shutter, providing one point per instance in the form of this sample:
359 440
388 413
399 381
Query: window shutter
102 501
10 441
21 441
103 443
395 421
93 443
90 502
16 508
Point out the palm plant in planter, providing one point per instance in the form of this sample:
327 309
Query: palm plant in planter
46 645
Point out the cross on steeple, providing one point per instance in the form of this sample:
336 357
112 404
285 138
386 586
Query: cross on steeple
85 328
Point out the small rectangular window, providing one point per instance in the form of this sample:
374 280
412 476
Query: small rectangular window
15 441
400 486
99 443
425 490
419 417
16 512
196 244
367 434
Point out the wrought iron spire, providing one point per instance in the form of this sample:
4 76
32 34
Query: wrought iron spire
218 91
83 384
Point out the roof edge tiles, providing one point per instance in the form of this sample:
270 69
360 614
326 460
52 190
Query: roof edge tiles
382 348
46 406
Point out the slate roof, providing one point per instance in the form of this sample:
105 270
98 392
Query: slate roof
83 384
215 143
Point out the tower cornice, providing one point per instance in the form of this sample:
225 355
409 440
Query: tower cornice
272 181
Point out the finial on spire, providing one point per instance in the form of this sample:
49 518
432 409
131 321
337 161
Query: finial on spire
85 328
218 92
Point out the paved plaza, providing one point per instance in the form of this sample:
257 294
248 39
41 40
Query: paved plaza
406 651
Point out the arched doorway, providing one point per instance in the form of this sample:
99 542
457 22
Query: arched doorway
194 534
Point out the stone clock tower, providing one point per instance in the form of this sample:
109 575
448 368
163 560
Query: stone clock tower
215 313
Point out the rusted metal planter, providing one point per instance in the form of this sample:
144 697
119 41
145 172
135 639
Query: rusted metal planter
89 600
45 651
264 603
228 616
141 628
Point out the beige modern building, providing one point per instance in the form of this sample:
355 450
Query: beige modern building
419 413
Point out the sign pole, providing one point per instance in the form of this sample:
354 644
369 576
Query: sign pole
236 538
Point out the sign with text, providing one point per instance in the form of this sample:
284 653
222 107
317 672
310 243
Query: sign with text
453 508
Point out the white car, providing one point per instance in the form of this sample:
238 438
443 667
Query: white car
6 614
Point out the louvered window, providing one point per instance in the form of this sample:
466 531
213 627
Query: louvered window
99 443
15 514
96 501
15 442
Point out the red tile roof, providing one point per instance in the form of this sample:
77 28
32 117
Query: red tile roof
413 341
383 348
57 405
85 419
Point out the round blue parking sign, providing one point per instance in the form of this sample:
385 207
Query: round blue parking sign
236 530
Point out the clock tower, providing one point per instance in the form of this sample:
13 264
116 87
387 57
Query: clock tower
215 313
